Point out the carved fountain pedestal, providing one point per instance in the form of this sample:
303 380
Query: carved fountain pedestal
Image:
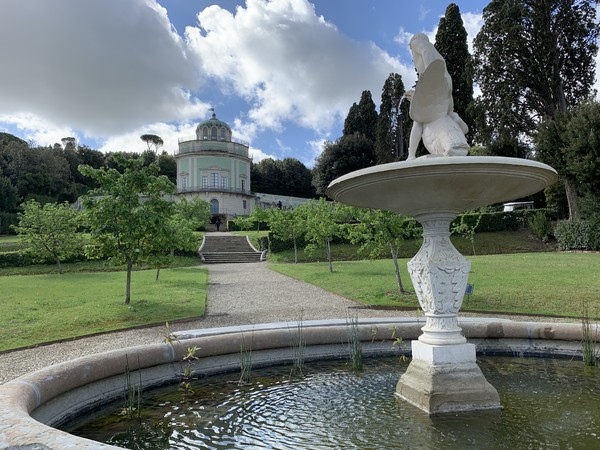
443 375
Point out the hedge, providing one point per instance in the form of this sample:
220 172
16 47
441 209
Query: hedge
578 235
502 220
232 226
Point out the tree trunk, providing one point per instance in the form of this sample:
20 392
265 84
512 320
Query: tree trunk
60 271
128 283
571 200
295 252
394 251
157 273
328 248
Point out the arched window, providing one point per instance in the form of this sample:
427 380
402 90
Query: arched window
213 133
214 206
204 132
223 134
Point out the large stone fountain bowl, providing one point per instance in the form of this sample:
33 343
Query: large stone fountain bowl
449 184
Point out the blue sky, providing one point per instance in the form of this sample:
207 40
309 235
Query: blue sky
282 73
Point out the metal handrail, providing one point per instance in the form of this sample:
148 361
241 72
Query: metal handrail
195 138
215 189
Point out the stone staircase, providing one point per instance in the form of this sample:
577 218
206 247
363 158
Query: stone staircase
227 248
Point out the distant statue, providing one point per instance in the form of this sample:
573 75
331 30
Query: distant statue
431 105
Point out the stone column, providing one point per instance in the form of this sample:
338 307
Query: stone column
443 375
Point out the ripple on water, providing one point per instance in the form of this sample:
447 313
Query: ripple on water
546 403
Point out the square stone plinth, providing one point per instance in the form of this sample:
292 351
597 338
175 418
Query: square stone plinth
446 379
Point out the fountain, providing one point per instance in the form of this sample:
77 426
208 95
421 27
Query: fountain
443 375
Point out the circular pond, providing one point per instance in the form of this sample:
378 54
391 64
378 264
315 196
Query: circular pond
546 403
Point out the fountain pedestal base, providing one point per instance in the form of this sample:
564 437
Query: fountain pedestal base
445 379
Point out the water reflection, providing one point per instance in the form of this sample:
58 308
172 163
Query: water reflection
546 403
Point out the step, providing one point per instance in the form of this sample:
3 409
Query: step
228 249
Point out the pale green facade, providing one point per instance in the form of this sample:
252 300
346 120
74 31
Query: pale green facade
215 167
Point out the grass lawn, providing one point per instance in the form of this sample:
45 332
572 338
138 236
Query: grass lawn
485 244
42 308
529 283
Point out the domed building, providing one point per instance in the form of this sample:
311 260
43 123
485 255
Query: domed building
215 166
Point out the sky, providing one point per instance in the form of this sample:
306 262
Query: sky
282 73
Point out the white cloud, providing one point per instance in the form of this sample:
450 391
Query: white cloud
258 155
131 142
37 129
287 62
316 149
101 67
473 23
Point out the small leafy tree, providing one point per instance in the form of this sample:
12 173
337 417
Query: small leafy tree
50 231
379 230
259 215
244 223
177 232
127 213
322 220
466 229
287 225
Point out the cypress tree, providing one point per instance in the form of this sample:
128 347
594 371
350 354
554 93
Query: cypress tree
393 124
451 42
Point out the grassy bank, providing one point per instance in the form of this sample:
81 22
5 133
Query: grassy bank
88 266
528 283
485 244
42 308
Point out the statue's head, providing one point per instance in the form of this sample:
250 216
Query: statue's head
419 37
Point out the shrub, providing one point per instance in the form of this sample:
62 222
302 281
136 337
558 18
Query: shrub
14 259
246 224
577 235
500 220
540 226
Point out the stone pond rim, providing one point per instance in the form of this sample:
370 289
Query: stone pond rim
451 184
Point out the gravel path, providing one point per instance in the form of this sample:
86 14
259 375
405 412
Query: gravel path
238 294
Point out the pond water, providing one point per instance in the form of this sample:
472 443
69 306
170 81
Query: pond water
547 403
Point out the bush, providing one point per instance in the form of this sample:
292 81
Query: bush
577 235
240 225
540 226
501 220
23 257
15 259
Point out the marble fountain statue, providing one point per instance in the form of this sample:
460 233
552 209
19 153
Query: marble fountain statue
443 375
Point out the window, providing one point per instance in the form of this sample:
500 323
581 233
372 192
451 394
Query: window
214 180
244 204
213 133
243 185
205 133
223 182
204 182
223 135
214 206
184 183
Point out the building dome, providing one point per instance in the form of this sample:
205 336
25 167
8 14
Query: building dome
213 122
213 129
